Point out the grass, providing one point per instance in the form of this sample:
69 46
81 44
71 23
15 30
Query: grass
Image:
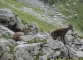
68 11
12 52
11 49
27 17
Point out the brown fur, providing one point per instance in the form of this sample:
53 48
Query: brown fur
17 35
61 32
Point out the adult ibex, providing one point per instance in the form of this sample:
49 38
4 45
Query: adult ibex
17 35
61 32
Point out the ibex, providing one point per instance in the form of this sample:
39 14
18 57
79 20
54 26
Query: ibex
17 35
61 32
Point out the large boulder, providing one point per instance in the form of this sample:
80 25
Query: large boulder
35 28
6 49
7 17
27 51
10 19
6 31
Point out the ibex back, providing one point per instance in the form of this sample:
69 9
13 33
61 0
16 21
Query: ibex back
61 32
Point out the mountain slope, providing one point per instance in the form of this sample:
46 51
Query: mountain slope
26 17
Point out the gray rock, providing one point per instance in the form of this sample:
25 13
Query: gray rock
35 28
39 36
5 48
35 3
7 56
27 51
26 37
54 43
5 30
9 19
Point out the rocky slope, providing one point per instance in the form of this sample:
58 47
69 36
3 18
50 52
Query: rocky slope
51 14
39 45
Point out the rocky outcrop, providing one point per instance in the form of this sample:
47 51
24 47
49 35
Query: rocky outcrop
10 19
39 45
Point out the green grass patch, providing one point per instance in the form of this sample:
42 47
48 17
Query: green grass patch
11 49
12 52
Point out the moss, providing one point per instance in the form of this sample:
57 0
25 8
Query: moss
39 54
1 53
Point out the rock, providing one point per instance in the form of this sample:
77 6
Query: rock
79 54
10 19
54 43
43 57
5 30
7 56
39 36
27 51
7 17
68 52
82 40
35 3
74 4
26 37
5 49
67 4
68 39
1 48
35 28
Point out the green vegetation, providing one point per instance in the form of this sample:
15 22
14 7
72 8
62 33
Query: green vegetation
12 52
39 54
76 36
5 36
1 53
11 49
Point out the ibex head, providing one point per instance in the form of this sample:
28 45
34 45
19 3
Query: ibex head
71 27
